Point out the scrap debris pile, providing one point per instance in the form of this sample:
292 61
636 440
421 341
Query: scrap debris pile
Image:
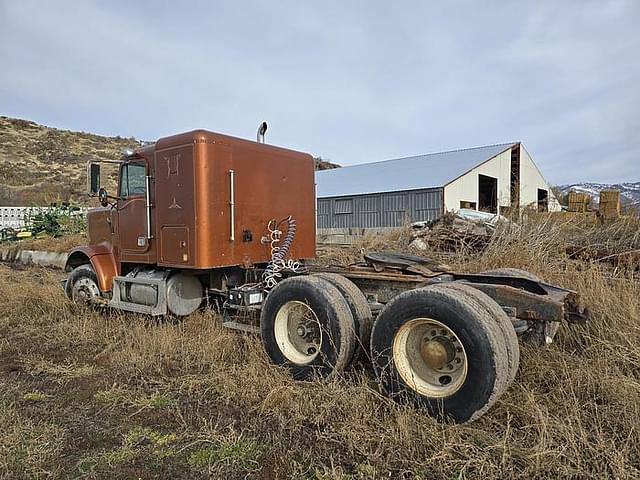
466 230
616 243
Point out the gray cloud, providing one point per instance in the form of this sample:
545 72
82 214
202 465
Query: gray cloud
351 81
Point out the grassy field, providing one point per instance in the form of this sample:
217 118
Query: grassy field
85 394
48 244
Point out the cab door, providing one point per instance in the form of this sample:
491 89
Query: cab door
132 212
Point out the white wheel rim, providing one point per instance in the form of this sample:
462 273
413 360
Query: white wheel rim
298 332
85 291
430 357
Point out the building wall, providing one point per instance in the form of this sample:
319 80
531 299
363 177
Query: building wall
17 217
348 215
531 180
465 188
13 217
381 210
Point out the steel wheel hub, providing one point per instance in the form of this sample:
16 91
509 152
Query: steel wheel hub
85 291
430 357
297 332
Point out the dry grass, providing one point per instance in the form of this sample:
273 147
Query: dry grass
41 165
91 395
49 244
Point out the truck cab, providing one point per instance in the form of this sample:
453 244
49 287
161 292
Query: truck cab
190 210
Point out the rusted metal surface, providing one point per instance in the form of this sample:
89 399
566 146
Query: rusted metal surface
406 263
384 276
533 300
370 273
378 286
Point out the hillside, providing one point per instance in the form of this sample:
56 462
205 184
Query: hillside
41 165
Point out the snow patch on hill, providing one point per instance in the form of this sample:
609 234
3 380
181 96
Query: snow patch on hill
629 191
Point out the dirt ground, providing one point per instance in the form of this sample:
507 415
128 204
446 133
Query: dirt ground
86 394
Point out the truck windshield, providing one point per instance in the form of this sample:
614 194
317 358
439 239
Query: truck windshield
132 180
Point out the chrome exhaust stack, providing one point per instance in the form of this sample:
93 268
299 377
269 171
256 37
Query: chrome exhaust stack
262 129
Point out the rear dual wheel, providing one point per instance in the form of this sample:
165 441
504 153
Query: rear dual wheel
307 326
360 311
440 348
501 319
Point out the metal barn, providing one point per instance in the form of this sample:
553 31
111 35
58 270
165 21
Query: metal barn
391 193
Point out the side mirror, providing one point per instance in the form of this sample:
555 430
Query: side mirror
94 179
103 197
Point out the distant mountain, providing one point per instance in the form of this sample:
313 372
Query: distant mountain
323 164
629 191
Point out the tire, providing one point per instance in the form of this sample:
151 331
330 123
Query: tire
81 286
360 310
499 316
513 273
408 361
315 307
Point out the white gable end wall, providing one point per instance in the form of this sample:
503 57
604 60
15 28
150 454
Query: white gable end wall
531 180
465 188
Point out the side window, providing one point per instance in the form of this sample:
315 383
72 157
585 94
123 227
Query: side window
137 179
132 180
124 183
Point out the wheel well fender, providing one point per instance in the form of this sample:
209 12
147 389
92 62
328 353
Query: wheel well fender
102 261
75 259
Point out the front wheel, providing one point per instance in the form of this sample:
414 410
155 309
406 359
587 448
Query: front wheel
82 286
439 349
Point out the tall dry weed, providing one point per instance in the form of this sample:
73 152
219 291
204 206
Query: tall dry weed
573 411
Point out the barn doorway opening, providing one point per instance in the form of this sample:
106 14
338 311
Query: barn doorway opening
543 200
515 176
487 194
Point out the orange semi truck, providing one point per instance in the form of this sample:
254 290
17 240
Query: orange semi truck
202 218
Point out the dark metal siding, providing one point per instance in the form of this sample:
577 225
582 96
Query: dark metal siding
382 210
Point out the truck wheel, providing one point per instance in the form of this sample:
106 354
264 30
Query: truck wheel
499 316
440 350
360 311
306 326
81 286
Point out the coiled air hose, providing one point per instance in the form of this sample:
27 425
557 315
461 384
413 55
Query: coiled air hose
279 252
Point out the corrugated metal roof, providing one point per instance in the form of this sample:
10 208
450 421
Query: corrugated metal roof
409 173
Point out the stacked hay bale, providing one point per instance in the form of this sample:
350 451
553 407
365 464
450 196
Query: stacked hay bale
579 202
609 208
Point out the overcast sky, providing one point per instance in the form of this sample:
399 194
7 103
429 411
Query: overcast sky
352 81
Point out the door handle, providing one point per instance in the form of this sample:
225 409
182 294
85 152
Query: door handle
232 206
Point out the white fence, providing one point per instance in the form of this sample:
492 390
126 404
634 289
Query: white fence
16 217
